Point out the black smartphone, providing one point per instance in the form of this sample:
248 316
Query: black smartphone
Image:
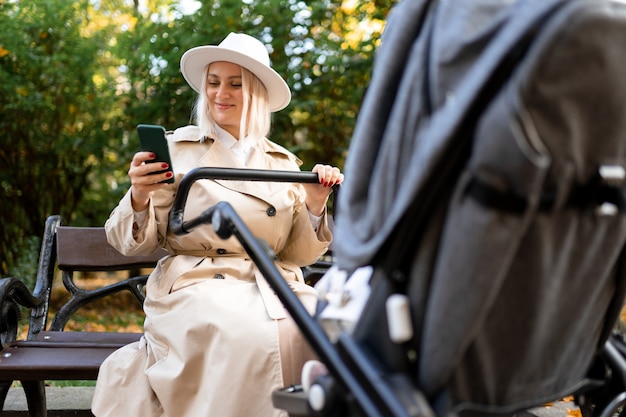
152 139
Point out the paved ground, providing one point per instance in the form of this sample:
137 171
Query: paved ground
62 402
557 409
77 400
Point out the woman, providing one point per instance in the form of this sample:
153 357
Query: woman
217 340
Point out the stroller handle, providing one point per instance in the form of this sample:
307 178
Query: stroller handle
177 223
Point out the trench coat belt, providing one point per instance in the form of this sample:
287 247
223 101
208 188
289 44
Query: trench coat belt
210 253
273 305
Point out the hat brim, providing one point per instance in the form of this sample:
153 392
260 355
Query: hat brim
194 62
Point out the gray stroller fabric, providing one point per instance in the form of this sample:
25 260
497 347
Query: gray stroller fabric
514 258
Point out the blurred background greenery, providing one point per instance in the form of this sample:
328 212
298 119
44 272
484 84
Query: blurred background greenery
76 77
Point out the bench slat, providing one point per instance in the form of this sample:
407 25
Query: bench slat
33 363
61 355
120 339
87 249
108 340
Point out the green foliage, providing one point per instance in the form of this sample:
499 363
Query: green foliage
72 383
52 123
25 266
77 77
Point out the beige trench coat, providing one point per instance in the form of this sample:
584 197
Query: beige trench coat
217 339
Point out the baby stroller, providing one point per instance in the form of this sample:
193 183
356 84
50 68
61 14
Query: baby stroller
492 218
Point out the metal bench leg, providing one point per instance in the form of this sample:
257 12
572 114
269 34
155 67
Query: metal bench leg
35 398
4 390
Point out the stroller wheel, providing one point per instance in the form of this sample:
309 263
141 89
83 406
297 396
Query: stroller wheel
322 396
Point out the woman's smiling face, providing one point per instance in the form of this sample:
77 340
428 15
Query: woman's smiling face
225 95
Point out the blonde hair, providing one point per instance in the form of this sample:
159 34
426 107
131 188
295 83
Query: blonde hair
256 116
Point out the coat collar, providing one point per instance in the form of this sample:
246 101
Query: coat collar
264 155
192 133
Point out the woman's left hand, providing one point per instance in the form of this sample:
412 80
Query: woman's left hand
317 194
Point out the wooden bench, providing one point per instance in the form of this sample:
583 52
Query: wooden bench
49 352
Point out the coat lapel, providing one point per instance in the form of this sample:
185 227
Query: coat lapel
213 153
220 156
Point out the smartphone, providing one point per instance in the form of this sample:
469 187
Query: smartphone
152 139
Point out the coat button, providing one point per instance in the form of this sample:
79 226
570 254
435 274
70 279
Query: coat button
221 251
218 276
271 211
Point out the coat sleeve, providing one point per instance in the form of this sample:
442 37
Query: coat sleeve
130 239
304 245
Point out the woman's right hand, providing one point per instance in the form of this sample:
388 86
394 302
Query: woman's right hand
143 182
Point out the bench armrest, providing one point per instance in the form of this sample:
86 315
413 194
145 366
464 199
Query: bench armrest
13 293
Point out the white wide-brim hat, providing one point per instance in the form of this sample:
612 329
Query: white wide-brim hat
240 49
